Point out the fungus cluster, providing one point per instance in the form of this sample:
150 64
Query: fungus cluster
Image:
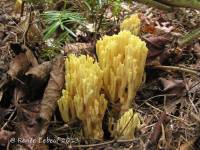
122 58
82 98
117 74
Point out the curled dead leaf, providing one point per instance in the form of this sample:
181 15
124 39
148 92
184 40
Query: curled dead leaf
173 86
54 89
18 66
21 63
40 72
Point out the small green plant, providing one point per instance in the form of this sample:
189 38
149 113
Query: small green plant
65 21
49 53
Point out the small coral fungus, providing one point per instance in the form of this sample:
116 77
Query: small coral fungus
82 98
131 24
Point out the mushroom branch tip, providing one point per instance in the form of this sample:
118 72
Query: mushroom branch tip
131 24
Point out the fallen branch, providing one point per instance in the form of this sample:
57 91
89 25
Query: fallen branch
175 68
182 3
155 4
103 144
169 4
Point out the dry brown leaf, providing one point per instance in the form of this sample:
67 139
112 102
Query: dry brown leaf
37 78
52 93
18 66
40 72
34 31
30 56
21 63
54 88
173 86
148 28
155 44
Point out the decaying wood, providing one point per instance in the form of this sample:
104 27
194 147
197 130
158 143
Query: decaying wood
79 48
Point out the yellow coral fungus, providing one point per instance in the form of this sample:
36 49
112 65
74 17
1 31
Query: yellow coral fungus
82 96
126 125
131 24
122 58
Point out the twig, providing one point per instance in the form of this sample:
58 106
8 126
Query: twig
151 98
191 101
25 38
180 119
10 117
100 144
175 68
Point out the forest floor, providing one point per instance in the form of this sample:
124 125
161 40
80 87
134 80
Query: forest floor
168 100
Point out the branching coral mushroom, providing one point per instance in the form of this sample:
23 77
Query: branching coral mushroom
82 96
131 24
122 58
126 125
